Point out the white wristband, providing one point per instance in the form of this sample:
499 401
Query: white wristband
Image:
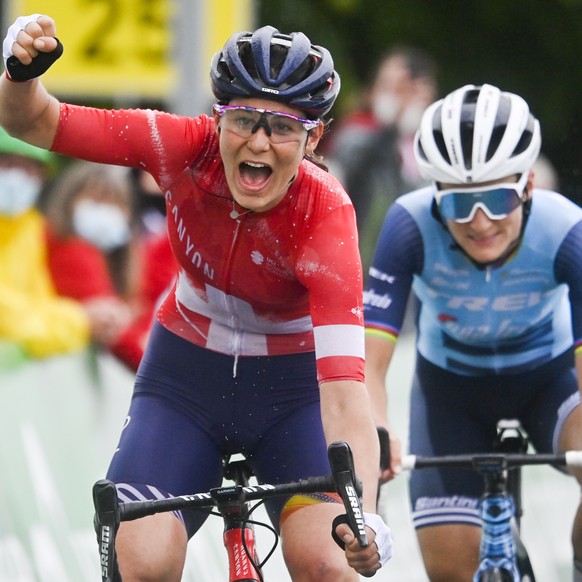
19 24
383 539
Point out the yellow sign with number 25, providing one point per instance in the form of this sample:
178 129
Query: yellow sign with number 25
112 47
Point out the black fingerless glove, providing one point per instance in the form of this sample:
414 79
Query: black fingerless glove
39 65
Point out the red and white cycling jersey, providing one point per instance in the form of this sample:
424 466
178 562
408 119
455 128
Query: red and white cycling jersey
278 282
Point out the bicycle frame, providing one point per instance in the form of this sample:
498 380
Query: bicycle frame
498 559
231 502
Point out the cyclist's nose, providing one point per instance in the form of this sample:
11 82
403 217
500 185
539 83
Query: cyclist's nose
480 221
259 140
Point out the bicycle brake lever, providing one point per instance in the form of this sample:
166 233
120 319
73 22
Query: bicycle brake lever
349 489
106 522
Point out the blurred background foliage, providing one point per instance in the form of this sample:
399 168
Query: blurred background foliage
529 47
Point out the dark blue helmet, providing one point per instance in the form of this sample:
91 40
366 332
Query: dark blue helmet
280 67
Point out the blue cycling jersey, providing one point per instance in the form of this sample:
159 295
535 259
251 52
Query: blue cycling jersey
478 321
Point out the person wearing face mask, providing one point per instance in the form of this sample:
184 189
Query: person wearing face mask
34 321
371 149
94 254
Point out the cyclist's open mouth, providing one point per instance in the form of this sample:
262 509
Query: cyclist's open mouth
254 176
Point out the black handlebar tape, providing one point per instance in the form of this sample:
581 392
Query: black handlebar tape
106 524
39 65
342 468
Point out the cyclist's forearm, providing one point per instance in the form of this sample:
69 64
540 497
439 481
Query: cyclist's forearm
28 112
346 415
378 399
378 357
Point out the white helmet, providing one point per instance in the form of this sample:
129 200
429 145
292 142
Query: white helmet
476 134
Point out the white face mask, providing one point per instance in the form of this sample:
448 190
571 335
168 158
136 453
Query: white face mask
386 108
103 225
19 191
410 119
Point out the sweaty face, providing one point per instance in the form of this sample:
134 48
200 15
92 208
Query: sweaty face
259 170
484 239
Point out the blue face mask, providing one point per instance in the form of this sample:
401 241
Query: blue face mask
19 191
103 225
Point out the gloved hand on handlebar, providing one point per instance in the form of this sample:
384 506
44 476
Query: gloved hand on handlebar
368 560
30 47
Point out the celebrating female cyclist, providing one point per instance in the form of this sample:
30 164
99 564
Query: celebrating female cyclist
259 347
497 269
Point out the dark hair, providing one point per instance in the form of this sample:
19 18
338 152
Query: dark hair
418 62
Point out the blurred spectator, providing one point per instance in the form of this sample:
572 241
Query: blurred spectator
93 253
99 255
371 149
34 321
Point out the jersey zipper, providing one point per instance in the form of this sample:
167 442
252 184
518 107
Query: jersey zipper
237 334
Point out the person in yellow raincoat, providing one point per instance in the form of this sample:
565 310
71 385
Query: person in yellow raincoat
34 321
